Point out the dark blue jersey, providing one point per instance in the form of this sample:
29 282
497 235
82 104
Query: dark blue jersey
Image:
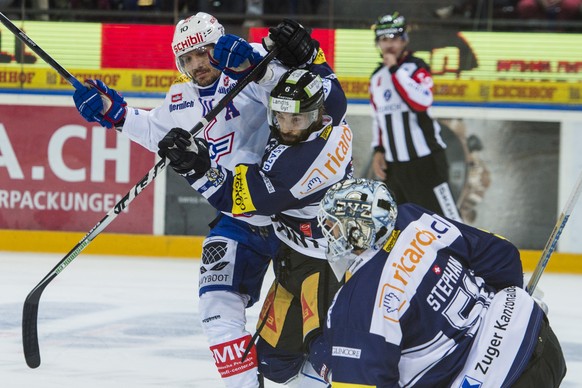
287 185
441 305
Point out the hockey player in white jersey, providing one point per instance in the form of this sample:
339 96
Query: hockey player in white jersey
305 156
238 249
429 302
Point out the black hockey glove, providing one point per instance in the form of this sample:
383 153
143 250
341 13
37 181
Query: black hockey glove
297 48
188 156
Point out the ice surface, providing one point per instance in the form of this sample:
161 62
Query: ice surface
108 322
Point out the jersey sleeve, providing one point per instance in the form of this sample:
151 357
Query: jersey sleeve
248 190
414 84
148 127
492 257
289 177
489 256
335 103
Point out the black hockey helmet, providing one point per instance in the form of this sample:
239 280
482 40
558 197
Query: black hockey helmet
390 26
300 93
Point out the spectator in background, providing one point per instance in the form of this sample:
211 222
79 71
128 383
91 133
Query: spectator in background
478 9
409 152
5 4
549 9
141 5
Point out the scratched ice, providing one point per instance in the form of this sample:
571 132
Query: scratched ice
108 322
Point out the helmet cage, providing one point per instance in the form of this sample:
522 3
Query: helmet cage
356 214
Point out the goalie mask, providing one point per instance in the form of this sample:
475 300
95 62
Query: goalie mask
194 33
355 214
296 106
390 26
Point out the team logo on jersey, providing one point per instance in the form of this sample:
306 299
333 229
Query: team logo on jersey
469 382
215 176
305 228
220 146
387 94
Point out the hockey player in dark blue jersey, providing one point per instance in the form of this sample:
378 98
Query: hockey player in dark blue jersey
429 302
306 155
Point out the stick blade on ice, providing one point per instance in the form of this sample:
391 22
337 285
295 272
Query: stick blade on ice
30 329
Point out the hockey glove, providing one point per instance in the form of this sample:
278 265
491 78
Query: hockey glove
188 156
100 103
297 48
88 103
230 56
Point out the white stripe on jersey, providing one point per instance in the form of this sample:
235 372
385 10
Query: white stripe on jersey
399 137
415 362
422 238
418 138
498 340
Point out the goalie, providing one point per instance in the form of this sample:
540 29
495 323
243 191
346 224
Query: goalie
430 301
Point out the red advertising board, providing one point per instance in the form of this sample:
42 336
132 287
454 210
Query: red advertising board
58 172
126 46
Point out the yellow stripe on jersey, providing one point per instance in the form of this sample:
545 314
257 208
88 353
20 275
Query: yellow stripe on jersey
349 385
181 79
319 58
391 240
241 195
326 131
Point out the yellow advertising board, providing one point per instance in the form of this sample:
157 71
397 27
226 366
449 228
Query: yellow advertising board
467 67
479 67
496 91
125 80
72 45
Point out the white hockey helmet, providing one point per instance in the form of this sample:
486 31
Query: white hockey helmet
355 214
193 33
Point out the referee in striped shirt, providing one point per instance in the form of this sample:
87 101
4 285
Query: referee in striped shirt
409 153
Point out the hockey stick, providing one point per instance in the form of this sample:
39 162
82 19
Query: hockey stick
554 236
40 52
30 311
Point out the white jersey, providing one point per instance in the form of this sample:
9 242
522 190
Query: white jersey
238 134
